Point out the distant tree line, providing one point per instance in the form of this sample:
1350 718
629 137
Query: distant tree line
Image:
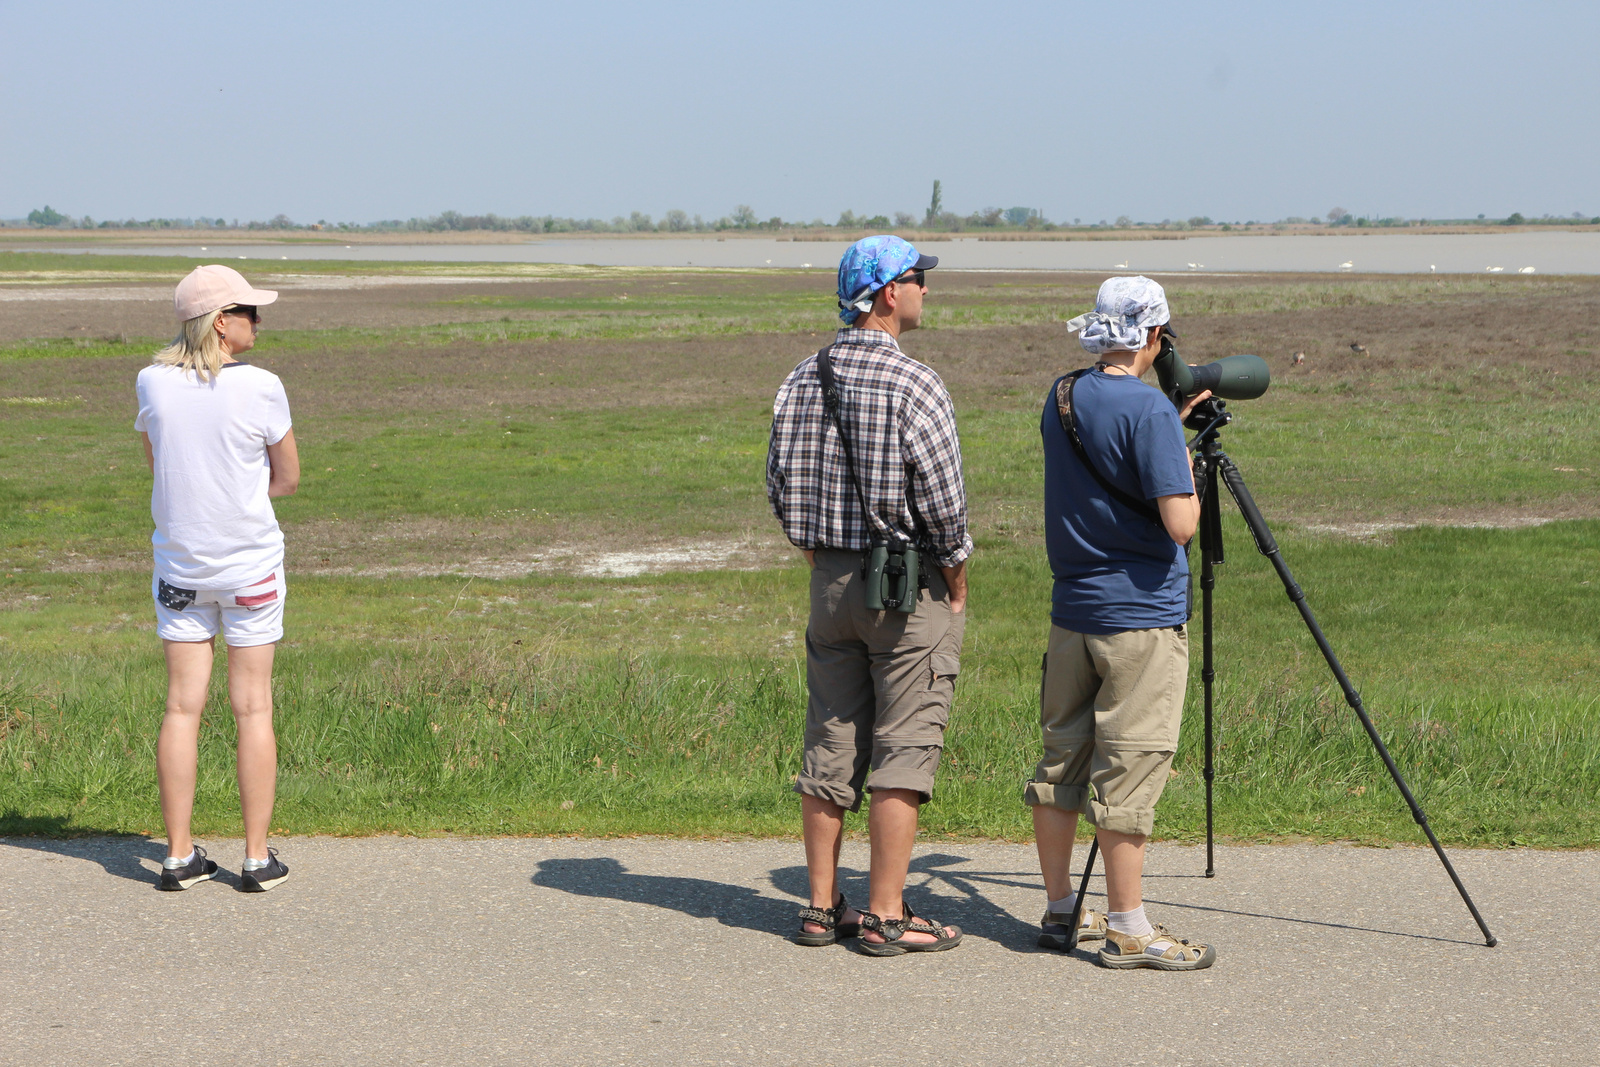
935 218
675 221
1340 217
49 217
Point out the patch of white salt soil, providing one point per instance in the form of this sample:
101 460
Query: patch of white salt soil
383 281
1378 529
151 293
32 291
705 556
745 554
583 560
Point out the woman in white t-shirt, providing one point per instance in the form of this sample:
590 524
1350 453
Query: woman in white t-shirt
217 435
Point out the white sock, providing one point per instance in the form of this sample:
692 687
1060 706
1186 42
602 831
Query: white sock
1134 922
172 863
255 865
1064 905
1130 922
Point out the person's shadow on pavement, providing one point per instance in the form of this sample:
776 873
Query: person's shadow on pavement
731 905
117 854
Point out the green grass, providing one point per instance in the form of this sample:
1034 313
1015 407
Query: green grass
72 482
673 703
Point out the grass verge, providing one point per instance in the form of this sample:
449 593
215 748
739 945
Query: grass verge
672 703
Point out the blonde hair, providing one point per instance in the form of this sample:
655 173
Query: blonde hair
198 347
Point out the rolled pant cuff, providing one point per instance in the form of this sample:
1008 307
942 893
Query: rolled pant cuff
1065 797
901 778
1137 822
833 792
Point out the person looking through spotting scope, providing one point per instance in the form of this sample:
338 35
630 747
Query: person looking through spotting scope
1120 505
864 474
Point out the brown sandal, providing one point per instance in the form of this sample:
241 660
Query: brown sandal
834 928
894 930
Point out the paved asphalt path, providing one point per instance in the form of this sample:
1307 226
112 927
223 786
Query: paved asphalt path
439 951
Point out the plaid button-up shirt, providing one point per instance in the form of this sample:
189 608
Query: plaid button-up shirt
902 430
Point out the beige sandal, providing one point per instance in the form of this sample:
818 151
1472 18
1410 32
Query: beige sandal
1053 929
1170 952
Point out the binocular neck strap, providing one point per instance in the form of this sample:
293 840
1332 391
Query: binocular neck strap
830 404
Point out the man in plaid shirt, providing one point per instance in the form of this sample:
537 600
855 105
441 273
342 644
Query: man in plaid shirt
880 681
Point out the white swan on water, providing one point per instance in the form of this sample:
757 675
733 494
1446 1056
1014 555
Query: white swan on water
1494 270
1121 266
1525 270
1347 264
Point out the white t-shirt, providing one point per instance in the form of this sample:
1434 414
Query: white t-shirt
215 528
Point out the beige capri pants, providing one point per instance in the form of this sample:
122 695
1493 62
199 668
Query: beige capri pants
1109 709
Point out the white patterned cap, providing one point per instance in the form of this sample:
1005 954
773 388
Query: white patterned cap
1124 311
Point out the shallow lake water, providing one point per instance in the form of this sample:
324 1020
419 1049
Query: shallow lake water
1547 252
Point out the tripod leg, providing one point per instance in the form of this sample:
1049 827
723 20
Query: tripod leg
1210 554
1208 675
1268 547
1083 887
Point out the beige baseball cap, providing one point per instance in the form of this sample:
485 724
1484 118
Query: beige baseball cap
214 286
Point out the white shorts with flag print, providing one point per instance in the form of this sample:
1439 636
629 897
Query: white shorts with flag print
249 616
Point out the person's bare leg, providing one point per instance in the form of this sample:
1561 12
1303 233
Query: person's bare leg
178 745
1124 860
1054 832
892 825
250 692
822 824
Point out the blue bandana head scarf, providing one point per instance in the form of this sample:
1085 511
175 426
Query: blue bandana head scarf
869 265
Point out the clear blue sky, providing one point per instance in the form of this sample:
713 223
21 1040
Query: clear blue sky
363 110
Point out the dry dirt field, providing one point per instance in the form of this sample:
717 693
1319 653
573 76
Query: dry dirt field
1546 323
358 348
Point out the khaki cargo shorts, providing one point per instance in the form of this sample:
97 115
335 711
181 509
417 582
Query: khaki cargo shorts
1109 707
881 684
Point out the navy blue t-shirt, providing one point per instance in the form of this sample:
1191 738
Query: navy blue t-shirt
1114 569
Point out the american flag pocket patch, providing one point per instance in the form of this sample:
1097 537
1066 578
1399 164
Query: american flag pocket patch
172 597
256 600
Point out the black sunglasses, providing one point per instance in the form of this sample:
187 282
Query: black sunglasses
247 310
917 278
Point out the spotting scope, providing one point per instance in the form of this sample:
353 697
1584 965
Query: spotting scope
1229 378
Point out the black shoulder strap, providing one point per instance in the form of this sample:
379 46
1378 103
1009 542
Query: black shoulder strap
830 404
1069 423
924 538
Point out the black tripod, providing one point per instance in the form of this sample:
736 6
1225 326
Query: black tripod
1210 463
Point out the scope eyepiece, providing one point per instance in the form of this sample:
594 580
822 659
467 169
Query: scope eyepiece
1231 378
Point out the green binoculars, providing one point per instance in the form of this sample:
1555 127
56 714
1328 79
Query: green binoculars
893 574
1229 378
